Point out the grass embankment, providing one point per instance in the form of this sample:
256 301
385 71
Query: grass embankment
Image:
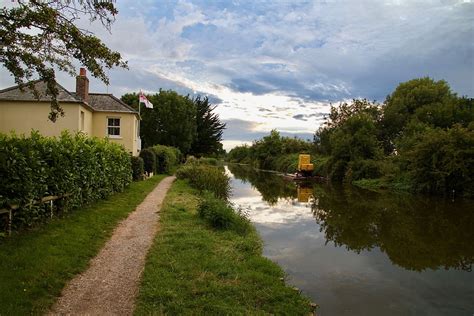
193 268
35 265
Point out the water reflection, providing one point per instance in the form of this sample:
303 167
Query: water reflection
416 233
360 253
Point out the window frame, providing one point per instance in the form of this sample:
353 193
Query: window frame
119 127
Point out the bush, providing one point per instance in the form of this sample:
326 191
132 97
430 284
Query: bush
208 161
441 160
149 160
83 168
220 214
166 158
137 168
206 178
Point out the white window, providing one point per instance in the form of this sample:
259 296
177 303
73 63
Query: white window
113 127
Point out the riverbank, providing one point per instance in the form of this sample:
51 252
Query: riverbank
195 269
35 265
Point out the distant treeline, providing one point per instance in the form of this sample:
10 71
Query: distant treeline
420 139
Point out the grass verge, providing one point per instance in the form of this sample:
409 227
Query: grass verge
195 269
35 265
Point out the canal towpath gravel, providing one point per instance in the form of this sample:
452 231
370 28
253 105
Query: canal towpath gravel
110 285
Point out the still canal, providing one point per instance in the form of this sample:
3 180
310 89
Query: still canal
356 252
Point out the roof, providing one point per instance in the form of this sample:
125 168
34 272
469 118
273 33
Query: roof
104 102
101 102
16 94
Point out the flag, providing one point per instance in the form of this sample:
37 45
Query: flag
142 99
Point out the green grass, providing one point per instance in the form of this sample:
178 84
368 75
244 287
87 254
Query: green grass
35 265
193 269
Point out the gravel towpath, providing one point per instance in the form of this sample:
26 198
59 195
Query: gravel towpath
110 285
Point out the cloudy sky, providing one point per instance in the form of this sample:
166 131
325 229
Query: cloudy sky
278 64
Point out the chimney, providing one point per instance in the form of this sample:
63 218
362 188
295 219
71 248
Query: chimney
82 85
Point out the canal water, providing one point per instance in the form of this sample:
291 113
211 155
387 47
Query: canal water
356 252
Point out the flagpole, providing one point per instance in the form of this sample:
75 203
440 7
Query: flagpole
139 105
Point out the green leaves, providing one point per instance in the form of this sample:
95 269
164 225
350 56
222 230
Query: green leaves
85 169
171 122
38 36
209 129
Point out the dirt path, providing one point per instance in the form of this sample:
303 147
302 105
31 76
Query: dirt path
109 286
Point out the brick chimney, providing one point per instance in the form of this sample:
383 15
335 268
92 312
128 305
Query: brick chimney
82 85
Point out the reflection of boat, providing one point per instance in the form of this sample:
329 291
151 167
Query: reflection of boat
304 194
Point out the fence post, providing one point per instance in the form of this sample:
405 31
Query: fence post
51 208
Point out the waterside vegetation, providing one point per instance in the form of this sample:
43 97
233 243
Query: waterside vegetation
421 139
207 259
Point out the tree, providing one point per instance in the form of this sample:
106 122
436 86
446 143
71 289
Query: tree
38 36
209 129
130 99
422 99
171 121
442 160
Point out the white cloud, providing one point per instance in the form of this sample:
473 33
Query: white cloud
288 58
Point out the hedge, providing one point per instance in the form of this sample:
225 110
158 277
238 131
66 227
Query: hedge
149 160
166 158
84 169
137 168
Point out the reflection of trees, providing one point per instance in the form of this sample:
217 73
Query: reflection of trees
270 186
416 233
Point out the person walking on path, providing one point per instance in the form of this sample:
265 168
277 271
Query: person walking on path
110 284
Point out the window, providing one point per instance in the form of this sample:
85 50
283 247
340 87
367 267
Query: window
113 127
82 121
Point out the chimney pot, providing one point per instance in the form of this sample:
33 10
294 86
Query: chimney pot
82 72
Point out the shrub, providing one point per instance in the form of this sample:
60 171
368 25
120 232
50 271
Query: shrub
149 160
83 168
208 161
137 168
206 178
220 214
166 158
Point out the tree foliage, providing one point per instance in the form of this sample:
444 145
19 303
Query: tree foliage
272 152
39 36
175 120
209 129
422 134
171 121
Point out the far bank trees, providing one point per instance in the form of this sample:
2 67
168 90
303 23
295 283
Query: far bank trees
422 137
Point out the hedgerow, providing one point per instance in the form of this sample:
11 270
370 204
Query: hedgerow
149 160
138 171
166 158
79 168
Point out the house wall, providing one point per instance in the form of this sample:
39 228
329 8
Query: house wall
128 125
88 120
22 117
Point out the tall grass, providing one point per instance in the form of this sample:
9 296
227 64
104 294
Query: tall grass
221 215
206 178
